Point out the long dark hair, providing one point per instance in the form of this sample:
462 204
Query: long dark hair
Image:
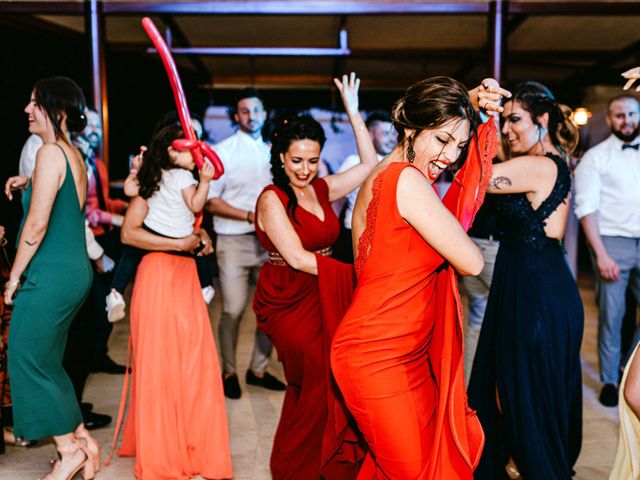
157 159
537 99
59 97
288 130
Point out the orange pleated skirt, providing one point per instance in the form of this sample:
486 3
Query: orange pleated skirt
176 425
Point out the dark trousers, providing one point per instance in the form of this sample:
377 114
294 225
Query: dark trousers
131 258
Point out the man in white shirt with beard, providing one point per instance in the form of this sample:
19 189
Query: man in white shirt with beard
232 201
607 182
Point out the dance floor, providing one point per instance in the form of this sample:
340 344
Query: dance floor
254 417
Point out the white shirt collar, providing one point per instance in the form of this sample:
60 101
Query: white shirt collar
248 138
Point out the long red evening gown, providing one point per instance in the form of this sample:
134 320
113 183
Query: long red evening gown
300 312
177 421
397 355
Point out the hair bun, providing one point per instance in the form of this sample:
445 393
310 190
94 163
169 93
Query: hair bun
76 121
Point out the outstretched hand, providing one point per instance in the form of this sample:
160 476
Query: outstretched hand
13 184
631 75
349 87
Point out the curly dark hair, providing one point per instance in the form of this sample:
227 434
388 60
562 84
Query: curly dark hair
157 159
288 130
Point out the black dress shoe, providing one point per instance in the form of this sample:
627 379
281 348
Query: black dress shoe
267 381
106 365
93 420
609 395
86 407
231 387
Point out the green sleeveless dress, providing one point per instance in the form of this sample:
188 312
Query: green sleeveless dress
58 280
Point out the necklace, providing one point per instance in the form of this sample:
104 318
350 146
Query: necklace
299 191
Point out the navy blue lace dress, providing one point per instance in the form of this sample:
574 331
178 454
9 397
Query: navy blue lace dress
529 348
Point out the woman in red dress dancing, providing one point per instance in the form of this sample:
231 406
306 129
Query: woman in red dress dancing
302 294
397 355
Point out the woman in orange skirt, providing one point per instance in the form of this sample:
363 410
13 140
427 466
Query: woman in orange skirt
177 423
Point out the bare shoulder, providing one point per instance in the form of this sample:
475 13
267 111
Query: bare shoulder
413 183
50 159
268 199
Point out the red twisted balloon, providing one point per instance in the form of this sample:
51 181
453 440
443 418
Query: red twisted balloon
199 149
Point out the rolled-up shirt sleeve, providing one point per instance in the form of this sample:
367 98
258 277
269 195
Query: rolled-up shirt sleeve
588 184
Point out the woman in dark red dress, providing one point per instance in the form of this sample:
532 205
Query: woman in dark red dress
302 293
397 354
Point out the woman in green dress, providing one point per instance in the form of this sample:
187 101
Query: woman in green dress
50 278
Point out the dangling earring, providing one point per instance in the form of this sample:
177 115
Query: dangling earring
411 154
282 165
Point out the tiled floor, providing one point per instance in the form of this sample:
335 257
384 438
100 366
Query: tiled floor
254 417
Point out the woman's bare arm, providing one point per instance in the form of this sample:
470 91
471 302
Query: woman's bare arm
420 206
133 234
46 180
342 184
273 220
526 174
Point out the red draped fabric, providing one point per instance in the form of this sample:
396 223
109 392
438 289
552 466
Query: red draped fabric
299 312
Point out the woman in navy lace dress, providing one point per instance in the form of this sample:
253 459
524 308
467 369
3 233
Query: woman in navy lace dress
525 383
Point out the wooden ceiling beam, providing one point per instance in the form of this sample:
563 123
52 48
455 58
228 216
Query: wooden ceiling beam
575 8
306 7
42 8
560 56
33 24
321 7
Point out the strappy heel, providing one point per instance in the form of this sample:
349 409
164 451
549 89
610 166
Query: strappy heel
88 472
92 445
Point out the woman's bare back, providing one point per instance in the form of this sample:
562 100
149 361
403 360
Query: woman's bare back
359 219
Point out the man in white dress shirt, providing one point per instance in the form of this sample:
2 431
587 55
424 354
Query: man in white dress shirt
383 136
232 201
607 182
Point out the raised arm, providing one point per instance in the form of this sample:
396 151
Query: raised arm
131 187
133 234
341 184
420 206
46 180
273 220
488 95
196 197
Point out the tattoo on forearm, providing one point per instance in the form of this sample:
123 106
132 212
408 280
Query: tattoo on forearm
499 182
31 244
